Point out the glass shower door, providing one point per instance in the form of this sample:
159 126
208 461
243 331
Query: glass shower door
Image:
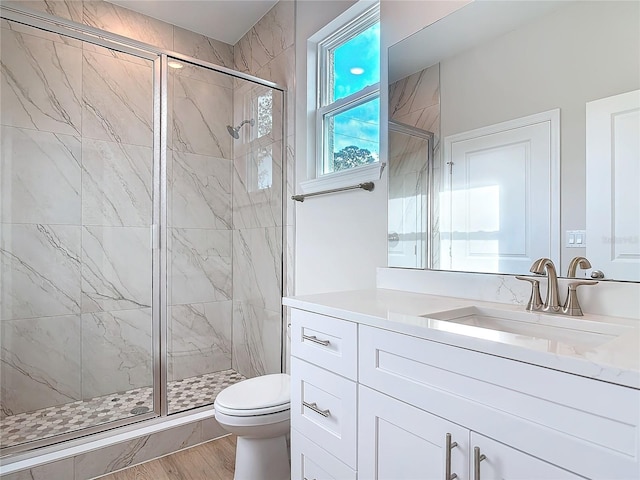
77 263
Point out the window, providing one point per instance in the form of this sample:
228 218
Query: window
348 109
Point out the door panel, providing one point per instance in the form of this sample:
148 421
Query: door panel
613 174
398 441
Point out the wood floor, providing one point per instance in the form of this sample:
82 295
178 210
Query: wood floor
210 461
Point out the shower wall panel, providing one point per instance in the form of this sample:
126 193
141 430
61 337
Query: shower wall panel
76 209
262 235
200 221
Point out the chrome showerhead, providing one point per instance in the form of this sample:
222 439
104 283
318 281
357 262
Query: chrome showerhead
235 131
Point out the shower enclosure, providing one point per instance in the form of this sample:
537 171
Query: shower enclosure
140 231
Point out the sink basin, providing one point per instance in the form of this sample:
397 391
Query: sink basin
555 328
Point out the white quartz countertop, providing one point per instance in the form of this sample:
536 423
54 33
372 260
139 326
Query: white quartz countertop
613 358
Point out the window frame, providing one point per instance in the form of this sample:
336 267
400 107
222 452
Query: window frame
325 108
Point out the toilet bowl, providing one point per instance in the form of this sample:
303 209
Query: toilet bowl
257 412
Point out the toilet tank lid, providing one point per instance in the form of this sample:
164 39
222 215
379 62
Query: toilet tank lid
258 392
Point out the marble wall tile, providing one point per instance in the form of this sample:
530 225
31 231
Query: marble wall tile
36 32
280 69
273 33
202 48
257 267
122 455
257 188
116 268
211 429
117 187
200 339
67 9
40 363
200 265
415 92
242 60
201 113
426 119
116 351
200 191
203 74
40 177
62 469
115 19
40 270
256 339
41 83
117 100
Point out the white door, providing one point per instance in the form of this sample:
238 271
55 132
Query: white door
500 210
399 442
506 463
613 185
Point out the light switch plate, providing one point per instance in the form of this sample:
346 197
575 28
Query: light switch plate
576 239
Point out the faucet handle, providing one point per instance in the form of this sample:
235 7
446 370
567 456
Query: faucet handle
535 300
571 305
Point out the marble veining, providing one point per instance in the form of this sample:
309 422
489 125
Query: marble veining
202 48
200 191
116 268
25 29
200 265
415 92
117 100
40 177
40 363
200 339
257 188
200 115
116 351
257 267
256 339
40 270
116 184
41 83
113 18
68 9
272 34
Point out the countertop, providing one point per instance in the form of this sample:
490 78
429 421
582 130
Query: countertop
613 358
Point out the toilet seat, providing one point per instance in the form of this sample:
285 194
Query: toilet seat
264 395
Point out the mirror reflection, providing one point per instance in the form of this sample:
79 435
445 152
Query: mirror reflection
534 112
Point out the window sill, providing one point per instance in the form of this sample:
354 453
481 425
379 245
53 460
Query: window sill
347 178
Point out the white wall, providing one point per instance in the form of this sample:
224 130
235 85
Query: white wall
342 238
537 68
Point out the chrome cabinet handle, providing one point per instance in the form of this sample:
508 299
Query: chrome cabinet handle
313 406
314 339
447 467
477 458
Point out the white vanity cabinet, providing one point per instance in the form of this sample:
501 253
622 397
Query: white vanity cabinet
426 409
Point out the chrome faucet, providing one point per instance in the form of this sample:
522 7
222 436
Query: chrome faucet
540 267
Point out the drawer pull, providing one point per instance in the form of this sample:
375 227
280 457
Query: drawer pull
313 406
314 339
477 458
447 467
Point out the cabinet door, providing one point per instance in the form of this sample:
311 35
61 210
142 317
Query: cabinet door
398 441
506 463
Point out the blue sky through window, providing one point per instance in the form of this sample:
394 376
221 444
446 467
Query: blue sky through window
356 65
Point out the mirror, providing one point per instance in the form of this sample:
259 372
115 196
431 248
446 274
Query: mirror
533 109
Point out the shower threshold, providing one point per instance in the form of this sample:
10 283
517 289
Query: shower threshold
182 394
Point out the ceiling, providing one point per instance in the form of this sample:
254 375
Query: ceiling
224 20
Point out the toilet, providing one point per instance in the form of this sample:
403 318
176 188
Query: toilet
257 412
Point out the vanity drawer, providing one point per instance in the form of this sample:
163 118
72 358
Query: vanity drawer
310 462
325 341
323 407
530 408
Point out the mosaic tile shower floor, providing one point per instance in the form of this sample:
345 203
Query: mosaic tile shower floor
183 395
